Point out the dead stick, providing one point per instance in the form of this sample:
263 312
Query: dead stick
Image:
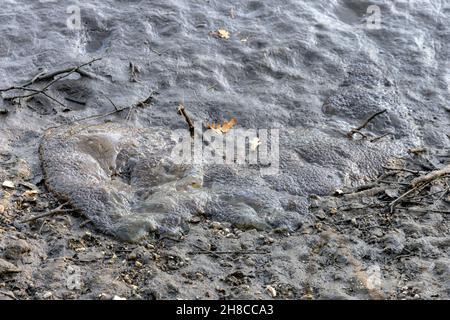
401 169
356 130
379 138
182 112
431 176
58 72
49 213
396 201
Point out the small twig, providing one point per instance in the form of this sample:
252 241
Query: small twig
42 77
379 138
9 294
49 213
96 116
141 104
424 210
148 100
156 51
84 223
399 199
401 169
75 101
431 176
113 104
357 130
129 113
182 112
69 71
394 182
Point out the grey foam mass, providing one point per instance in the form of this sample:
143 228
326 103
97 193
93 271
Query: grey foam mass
125 181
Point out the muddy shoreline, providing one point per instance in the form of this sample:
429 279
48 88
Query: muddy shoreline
312 69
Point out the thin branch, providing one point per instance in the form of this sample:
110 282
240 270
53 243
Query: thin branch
49 213
399 199
58 72
358 129
183 113
401 169
431 176
42 77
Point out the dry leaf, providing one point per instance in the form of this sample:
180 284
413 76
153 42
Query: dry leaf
224 34
222 128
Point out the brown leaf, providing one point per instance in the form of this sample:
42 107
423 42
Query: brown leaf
222 128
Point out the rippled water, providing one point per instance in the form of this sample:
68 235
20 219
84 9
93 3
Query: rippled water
312 65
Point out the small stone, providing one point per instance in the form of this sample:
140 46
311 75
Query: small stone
269 240
47 295
7 267
118 298
30 195
308 296
15 248
394 242
377 232
105 296
271 291
90 256
138 264
391 193
338 192
216 225
195 220
8 184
